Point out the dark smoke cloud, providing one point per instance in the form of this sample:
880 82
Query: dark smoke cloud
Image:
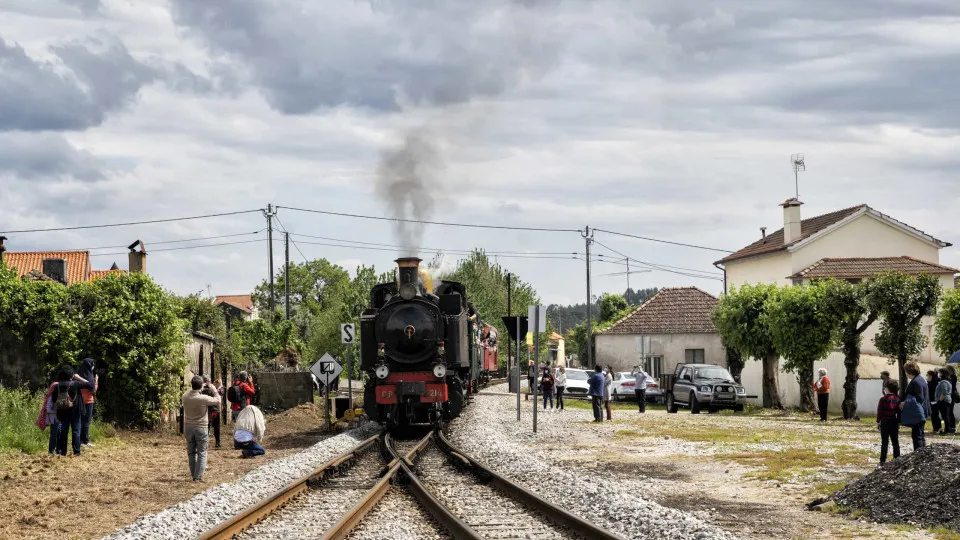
408 180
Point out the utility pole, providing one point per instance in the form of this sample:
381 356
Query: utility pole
286 274
509 313
628 273
270 212
588 237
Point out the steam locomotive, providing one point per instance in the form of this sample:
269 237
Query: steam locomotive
423 349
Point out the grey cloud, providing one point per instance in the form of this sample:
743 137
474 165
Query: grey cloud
46 157
35 95
87 7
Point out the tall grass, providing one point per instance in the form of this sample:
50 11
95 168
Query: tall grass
18 432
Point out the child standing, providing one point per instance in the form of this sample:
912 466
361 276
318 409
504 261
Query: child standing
888 412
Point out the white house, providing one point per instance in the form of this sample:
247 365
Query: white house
669 328
854 243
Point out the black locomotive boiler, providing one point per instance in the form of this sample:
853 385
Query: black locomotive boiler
416 345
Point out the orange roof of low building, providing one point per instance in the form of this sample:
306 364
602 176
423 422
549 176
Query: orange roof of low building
866 267
241 301
677 310
555 336
78 262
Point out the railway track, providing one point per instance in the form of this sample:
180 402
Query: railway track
444 494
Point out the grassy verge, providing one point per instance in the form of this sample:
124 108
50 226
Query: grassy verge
18 432
790 463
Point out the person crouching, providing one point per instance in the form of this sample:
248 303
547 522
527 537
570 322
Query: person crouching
248 430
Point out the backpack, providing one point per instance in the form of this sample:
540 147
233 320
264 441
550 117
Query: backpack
233 394
64 403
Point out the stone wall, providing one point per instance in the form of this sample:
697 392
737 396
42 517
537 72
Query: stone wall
283 390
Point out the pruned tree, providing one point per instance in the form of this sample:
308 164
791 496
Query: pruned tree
739 319
947 339
803 331
901 302
848 304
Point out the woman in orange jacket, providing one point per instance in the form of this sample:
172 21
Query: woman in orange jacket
822 387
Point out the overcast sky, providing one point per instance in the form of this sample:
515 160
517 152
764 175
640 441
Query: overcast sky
669 119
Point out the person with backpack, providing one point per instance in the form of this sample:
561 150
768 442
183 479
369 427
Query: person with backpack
195 404
86 408
66 399
240 394
48 417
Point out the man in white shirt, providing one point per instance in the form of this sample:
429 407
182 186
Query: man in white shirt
195 420
640 390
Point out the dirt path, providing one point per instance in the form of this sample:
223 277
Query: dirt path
127 476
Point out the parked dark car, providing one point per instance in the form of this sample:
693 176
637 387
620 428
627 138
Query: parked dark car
702 386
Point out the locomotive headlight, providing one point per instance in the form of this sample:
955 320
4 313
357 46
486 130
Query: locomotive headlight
408 291
382 372
439 371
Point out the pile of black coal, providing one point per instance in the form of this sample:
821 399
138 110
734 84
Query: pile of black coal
920 488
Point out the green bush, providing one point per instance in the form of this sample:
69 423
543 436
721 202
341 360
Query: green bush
18 413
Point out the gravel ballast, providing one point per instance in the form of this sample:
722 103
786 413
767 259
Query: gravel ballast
205 510
489 432
920 488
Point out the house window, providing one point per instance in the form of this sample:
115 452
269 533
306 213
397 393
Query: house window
694 356
653 365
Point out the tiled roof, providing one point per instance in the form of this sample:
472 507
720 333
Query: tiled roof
97 274
680 310
78 262
866 267
808 227
241 301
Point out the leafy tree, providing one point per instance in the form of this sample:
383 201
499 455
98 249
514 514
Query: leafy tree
802 330
901 301
848 304
739 319
947 340
201 315
610 306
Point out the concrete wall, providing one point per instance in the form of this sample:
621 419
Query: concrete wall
620 350
772 268
283 390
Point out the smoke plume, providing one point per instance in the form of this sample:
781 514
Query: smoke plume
408 179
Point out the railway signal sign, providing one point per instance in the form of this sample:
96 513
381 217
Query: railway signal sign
348 333
326 369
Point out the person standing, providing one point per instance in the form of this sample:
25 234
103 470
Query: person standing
561 382
822 387
608 390
249 429
943 397
66 401
933 380
954 395
531 376
915 406
48 418
86 408
547 382
213 412
244 392
640 390
888 420
195 404
595 383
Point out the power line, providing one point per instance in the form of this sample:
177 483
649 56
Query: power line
663 241
153 243
424 222
571 256
619 261
284 229
701 275
183 247
455 251
102 226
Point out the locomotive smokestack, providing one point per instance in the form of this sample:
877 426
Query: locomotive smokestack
409 276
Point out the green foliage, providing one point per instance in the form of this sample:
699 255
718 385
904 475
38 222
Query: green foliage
801 327
568 317
19 409
739 319
610 306
901 301
126 322
201 315
947 340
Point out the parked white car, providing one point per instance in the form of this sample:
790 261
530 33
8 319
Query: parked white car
577 382
624 385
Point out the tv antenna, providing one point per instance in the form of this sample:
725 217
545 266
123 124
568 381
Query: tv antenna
798 165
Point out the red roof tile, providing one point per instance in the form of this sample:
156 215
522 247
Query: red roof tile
808 227
866 267
241 301
78 262
679 310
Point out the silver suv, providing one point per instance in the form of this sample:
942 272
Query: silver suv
704 386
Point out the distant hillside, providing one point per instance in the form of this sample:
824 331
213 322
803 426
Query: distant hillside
564 318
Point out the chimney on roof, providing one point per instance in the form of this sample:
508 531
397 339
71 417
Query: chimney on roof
55 269
791 220
763 231
137 259
2 247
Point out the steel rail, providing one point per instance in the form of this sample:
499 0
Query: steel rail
342 528
553 512
454 525
259 510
